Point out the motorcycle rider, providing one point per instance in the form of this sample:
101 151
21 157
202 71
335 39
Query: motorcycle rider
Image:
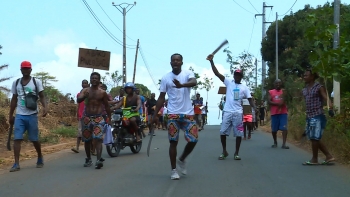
131 99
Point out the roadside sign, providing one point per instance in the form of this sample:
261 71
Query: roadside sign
95 59
222 90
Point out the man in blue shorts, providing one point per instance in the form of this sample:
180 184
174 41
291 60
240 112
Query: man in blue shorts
25 92
177 84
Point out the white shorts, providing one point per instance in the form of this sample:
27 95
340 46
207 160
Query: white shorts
232 120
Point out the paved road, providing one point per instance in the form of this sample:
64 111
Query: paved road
261 172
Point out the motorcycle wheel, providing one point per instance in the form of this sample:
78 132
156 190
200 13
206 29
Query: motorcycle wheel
137 146
113 150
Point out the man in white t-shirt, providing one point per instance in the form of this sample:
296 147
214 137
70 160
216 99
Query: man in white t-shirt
233 111
177 84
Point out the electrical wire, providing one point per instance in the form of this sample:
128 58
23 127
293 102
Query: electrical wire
242 7
253 7
289 8
251 35
101 25
113 21
148 70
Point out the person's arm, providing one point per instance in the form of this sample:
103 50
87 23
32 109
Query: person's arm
83 95
325 97
252 104
213 67
118 105
138 103
13 106
106 104
269 99
191 83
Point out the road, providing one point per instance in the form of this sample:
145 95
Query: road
263 171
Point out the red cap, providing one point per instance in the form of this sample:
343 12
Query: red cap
239 71
26 64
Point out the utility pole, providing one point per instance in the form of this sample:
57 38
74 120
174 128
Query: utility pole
263 36
137 50
336 84
256 73
276 46
124 8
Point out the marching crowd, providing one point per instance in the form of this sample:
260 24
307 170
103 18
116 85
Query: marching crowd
240 114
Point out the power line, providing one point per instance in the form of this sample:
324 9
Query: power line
253 7
101 25
145 62
242 7
289 8
113 21
251 35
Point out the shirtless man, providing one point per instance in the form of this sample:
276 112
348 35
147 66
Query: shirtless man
93 123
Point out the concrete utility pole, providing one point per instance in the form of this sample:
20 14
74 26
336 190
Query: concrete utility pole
137 51
336 85
124 8
263 36
276 46
256 73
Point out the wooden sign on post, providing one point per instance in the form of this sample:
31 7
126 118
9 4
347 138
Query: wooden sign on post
96 59
222 90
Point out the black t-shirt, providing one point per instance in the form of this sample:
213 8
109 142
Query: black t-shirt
150 103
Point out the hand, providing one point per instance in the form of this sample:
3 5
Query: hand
177 83
45 112
11 120
133 110
331 112
210 57
154 119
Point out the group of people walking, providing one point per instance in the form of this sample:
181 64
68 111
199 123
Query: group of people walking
181 112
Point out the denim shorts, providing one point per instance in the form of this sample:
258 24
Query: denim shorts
25 123
315 127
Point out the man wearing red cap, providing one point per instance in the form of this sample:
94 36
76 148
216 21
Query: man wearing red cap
26 91
233 116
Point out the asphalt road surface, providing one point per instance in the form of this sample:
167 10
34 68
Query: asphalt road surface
263 171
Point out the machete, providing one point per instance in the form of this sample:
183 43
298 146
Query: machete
150 141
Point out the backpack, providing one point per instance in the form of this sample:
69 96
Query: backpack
30 99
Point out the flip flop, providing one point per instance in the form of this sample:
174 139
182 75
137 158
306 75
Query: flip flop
75 150
274 146
328 162
285 147
237 157
308 163
222 156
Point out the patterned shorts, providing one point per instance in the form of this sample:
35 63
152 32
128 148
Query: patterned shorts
92 127
184 122
232 120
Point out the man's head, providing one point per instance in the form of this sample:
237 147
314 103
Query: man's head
104 87
278 84
95 78
201 99
310 76
176 62
137 91
121 92
84 83
153 96
198 96
129 88
238 75
26 68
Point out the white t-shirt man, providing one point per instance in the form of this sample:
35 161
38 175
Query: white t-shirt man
29 88
234 95
179 99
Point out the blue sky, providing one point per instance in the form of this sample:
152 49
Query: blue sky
49 34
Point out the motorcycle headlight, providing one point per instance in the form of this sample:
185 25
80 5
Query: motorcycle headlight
115 117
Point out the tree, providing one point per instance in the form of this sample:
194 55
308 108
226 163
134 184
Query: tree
199 83
143 90
245 63
207 84
45 78
115 78
2 67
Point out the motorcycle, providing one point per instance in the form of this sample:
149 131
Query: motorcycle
122 132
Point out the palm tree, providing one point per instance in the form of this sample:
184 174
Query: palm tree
2 67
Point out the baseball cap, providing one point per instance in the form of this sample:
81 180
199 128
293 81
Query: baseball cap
238 71
26 64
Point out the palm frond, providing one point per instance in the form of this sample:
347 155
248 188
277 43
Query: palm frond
5 79
4 89
3 66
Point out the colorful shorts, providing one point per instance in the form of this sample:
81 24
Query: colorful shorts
315 127
92 127
184 122
232 120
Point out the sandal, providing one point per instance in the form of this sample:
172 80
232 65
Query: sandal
222 156
237 157
308 163
285 147
274 146
328 162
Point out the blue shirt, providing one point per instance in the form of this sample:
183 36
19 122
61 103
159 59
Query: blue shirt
143 100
